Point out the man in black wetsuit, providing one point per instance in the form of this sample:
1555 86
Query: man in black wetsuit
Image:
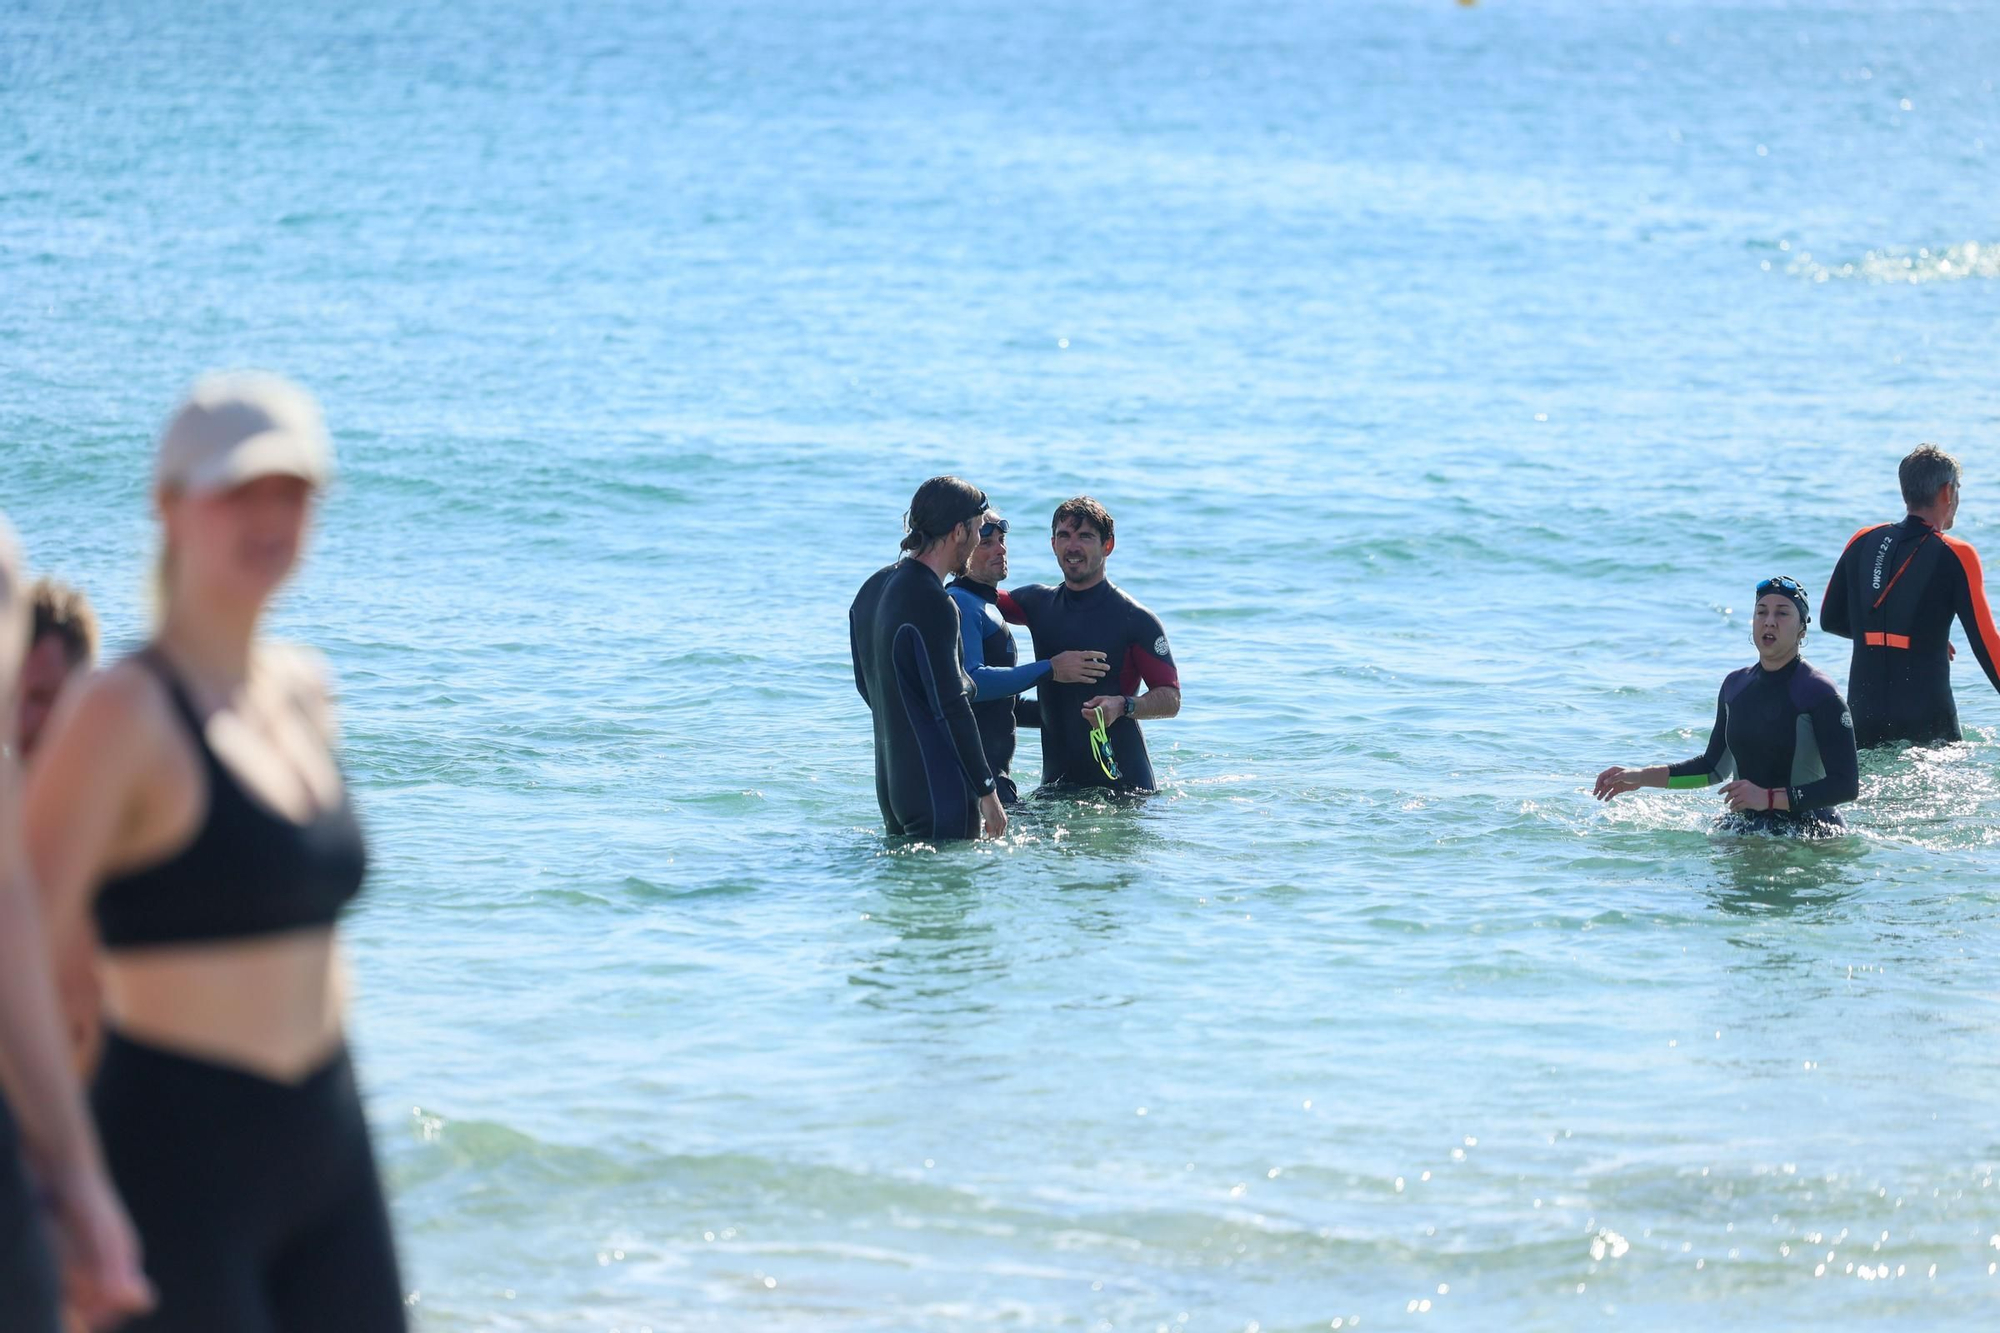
931 775
999 684
1894 592
1087 611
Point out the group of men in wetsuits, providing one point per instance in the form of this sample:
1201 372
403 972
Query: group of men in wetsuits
935 659
1785 743
936 662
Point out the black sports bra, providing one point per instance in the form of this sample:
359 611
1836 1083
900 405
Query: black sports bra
247 871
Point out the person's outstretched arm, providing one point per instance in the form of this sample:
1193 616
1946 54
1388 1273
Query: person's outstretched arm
1700 771
990 682
1705 769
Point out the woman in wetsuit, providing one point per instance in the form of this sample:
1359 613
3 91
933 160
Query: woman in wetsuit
1783 742
190 798
45 1134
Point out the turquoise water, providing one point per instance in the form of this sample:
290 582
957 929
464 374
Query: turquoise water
1452 373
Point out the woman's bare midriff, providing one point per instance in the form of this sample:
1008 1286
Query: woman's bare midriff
269 1005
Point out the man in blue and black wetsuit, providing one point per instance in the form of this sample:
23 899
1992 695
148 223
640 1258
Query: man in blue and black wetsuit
1895 592
1087 611
931 775
998 684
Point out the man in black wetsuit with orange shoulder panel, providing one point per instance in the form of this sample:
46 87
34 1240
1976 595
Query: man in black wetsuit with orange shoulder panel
1895 592
1088 612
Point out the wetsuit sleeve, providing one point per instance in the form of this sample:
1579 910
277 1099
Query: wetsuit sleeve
1149 658
1834 614
990 682
1700 770
971 643
940 637
854 651
1833 728
1023 604
1973 611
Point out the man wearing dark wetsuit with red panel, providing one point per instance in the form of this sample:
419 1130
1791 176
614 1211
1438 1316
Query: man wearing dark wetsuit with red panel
1895 592
1088 613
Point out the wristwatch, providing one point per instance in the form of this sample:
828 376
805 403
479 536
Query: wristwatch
1131 704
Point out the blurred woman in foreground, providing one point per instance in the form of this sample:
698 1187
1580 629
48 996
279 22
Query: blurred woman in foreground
189 797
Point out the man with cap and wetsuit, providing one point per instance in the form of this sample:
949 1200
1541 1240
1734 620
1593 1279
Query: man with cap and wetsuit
998 683
1088 612
931 774
1895 592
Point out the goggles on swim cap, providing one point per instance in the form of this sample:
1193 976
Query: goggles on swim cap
991 526
1791 588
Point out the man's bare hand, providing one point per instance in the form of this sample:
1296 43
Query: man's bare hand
1077 667
1614 782
1112 704
992 815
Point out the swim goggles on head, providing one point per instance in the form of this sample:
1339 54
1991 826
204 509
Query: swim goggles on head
992 526
1790 588
1100 748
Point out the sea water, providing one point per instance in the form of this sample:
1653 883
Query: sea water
1453 374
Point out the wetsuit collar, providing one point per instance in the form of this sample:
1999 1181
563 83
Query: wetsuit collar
919 564
1785 670
985 592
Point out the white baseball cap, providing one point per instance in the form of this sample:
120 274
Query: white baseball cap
240 426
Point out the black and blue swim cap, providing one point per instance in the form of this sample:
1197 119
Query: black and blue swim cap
1788 587
940 504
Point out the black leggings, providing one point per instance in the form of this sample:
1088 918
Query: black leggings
28 1301
257 1202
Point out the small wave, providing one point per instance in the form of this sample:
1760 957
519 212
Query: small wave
1951 264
